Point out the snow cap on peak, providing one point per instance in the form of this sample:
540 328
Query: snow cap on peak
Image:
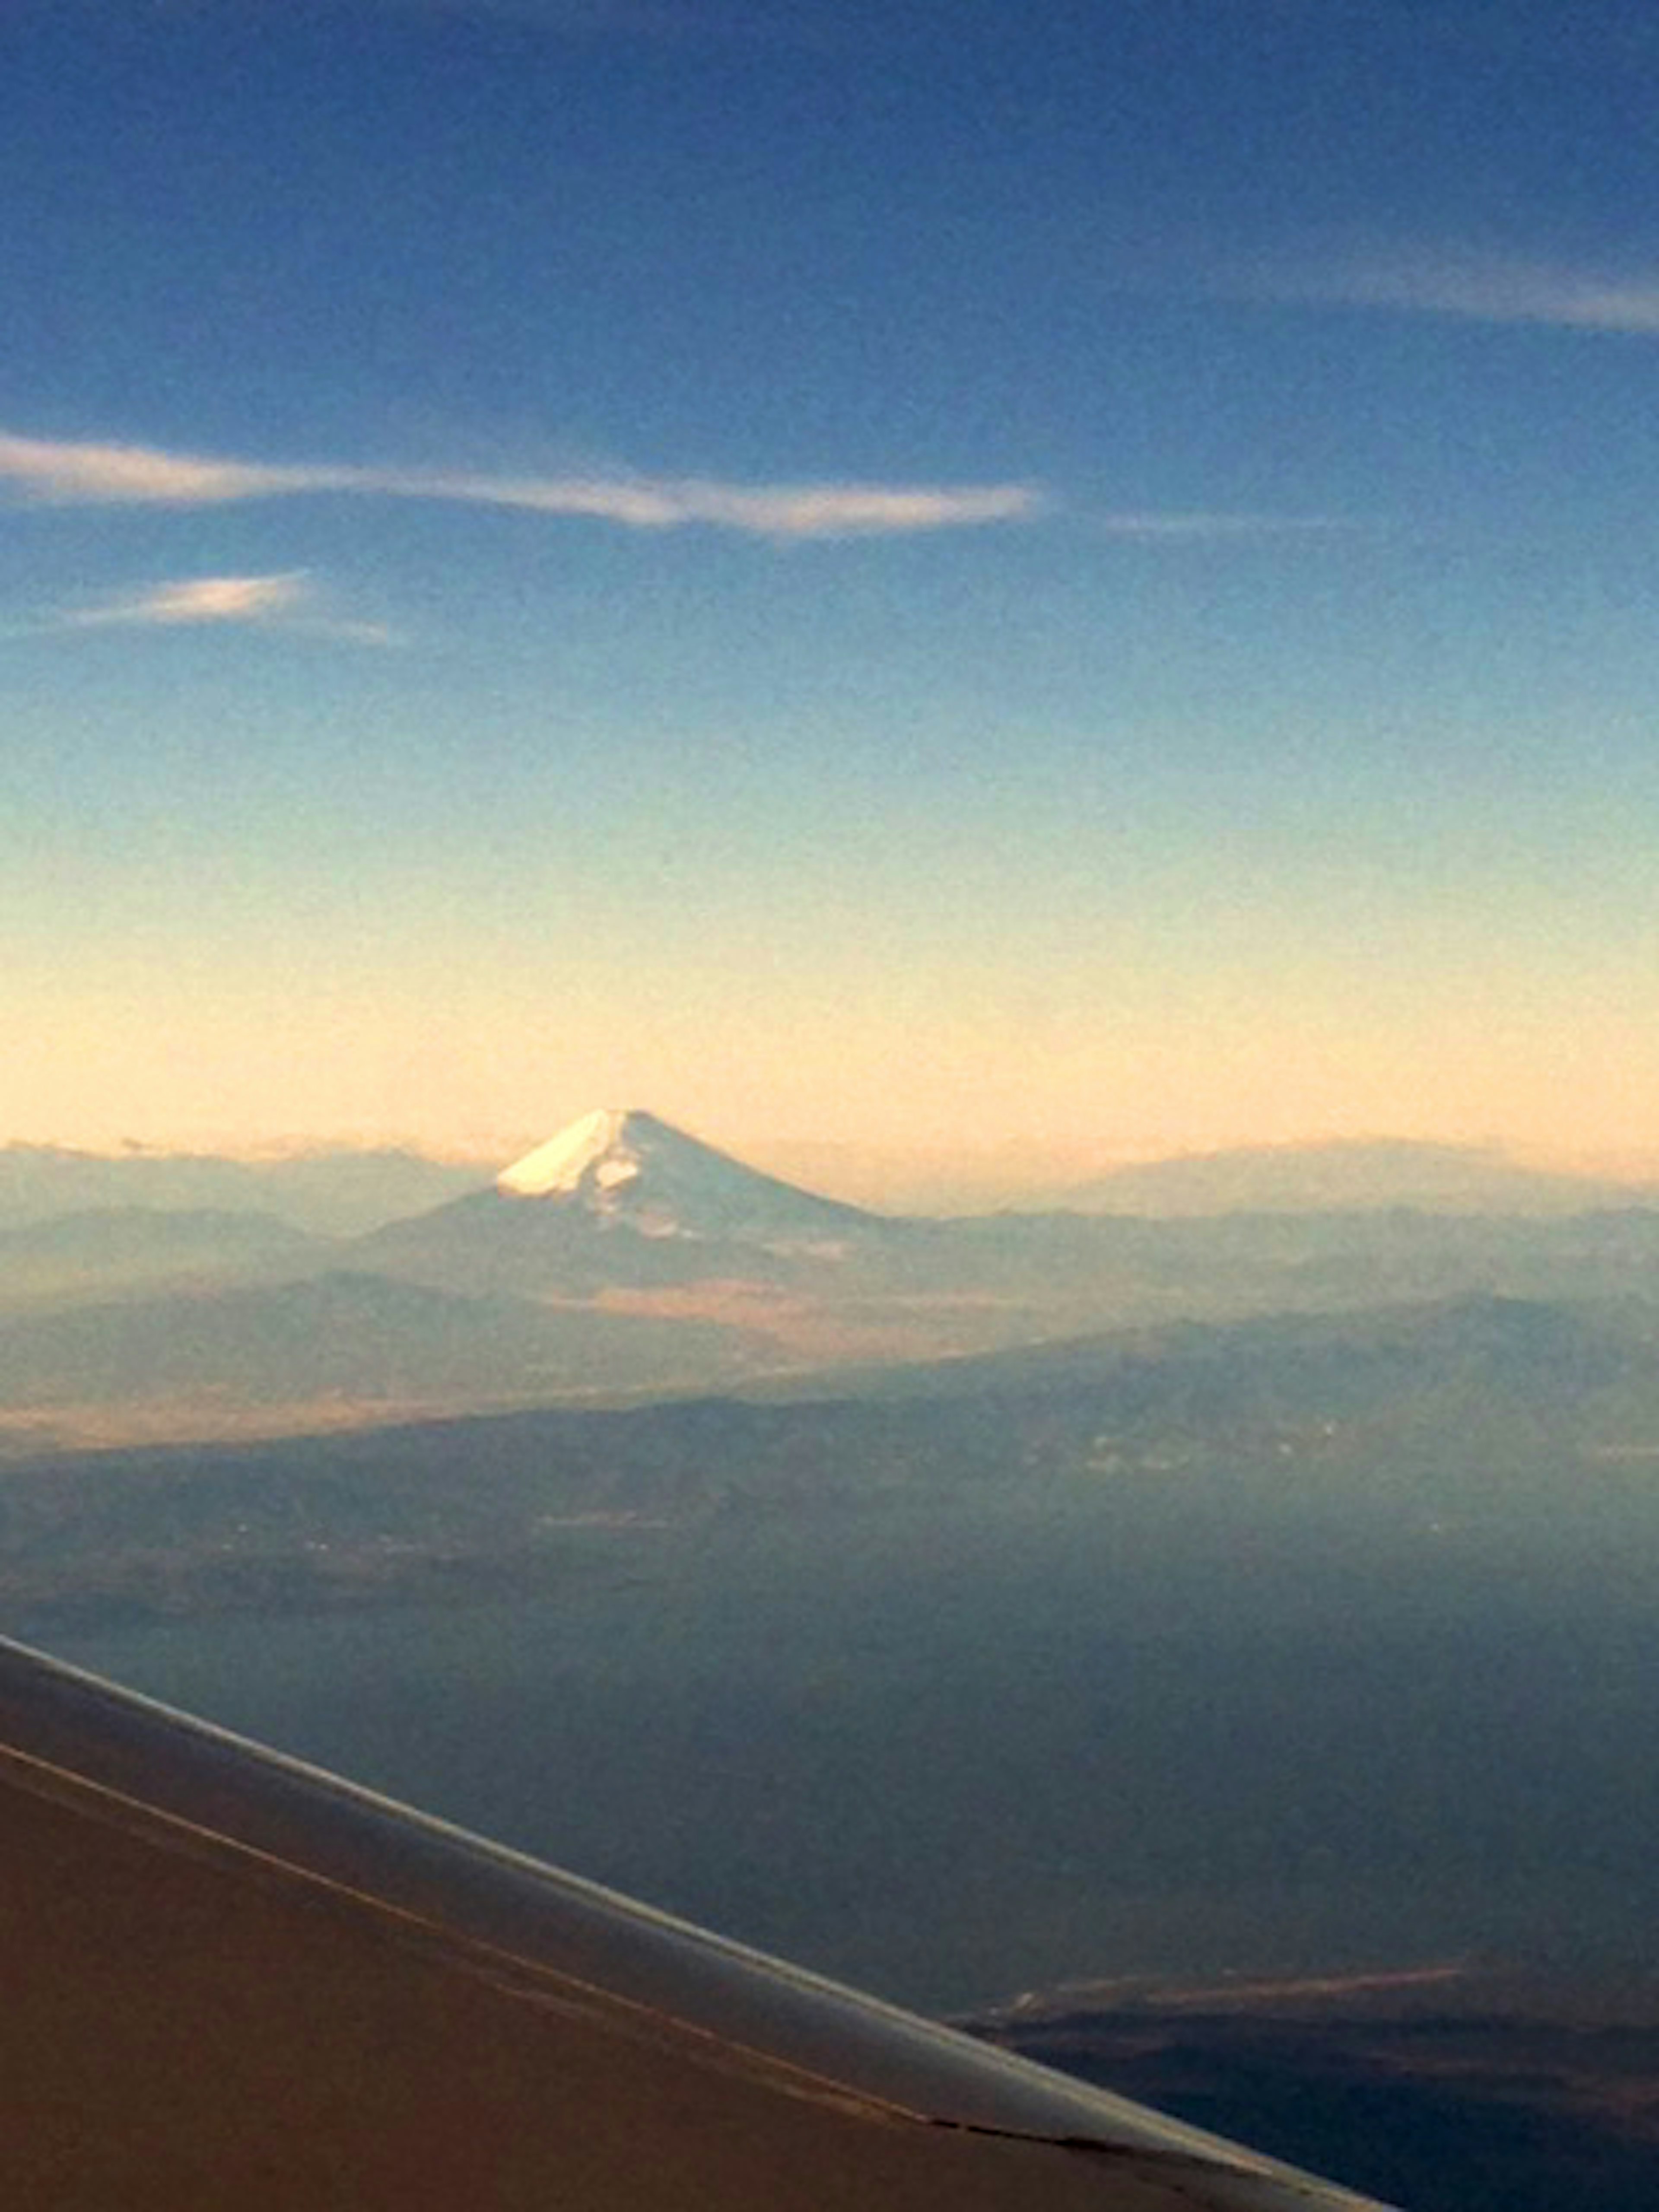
601 1147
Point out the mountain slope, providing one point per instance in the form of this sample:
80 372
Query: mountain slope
621 1200
348 1336
106 1251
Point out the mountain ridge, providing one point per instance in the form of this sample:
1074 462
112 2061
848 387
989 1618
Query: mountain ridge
1357 1173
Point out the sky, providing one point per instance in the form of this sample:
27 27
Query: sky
1053 576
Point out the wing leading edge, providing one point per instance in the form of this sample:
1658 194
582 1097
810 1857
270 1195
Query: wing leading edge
230 1980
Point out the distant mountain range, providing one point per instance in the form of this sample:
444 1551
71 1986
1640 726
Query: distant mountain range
626 1156
625 1255
517 1292
1346 1176
337 1191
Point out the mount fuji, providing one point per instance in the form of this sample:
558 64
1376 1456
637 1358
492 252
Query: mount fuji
624 1166
619 1199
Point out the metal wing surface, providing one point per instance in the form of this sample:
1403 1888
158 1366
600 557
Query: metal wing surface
232 1982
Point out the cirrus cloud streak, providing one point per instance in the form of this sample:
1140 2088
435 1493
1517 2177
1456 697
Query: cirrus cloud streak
1174 528
196 600
1478 287
287 601
55 472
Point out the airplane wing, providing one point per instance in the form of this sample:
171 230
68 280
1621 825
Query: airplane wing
232 1982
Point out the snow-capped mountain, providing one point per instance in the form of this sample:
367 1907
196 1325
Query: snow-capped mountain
623 1165
619 1198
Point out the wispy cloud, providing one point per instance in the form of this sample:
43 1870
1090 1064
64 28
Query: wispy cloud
1201 526
134 476
1479 287
196 599
285 602
61 473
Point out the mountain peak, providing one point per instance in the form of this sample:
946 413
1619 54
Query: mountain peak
619 1165
597 1153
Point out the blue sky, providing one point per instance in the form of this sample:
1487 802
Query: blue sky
914 575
